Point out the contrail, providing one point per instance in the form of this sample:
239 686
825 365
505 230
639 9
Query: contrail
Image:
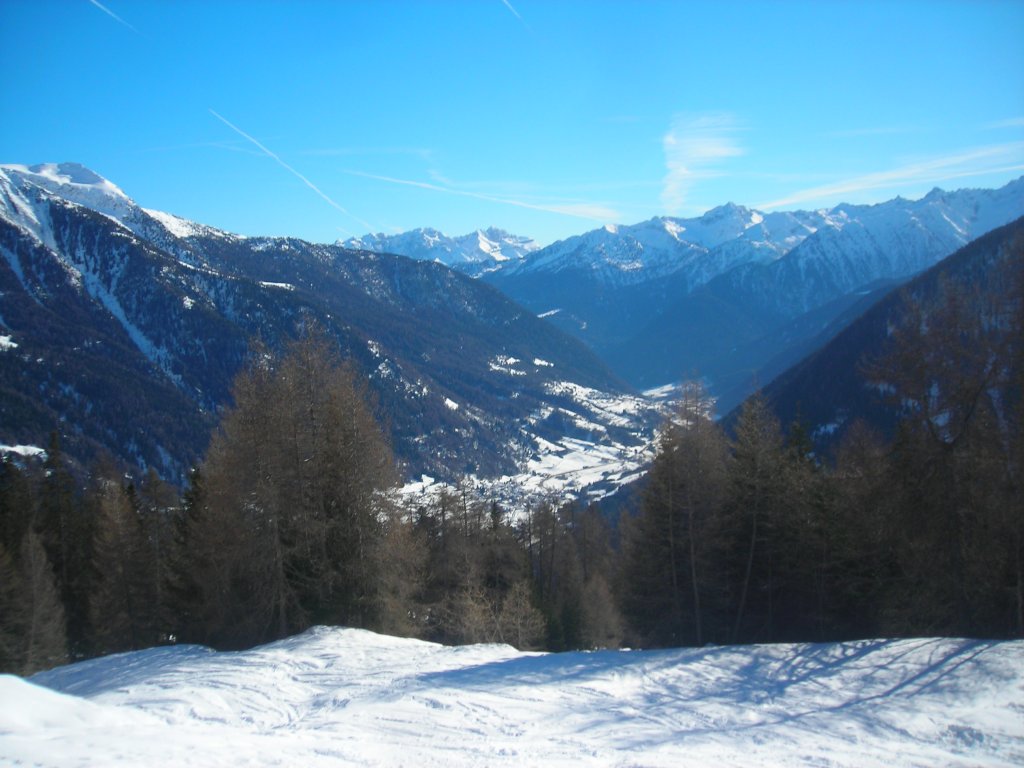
578 210
997 158
507 5
283 164
114 16
515 13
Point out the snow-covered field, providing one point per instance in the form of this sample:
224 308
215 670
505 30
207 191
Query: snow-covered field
338 697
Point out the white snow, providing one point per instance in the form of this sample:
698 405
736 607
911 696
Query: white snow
7 343
344 697
282 286
612 443
24 450
505 364
476 253
176 225
451 404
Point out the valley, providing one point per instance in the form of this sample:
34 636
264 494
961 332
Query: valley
112 309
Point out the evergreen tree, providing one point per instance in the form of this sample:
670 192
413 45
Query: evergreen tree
17 505
12 618
65 530
122 600
186 565
949 371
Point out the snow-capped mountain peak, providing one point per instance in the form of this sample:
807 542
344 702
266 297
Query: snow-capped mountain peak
25 192
475 253
75 183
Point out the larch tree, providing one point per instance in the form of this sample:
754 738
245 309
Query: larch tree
949 370
44 640
678 534
758 501
294 500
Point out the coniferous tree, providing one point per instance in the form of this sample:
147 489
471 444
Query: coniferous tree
65 529
121 602
293 517
673 596
17 505
157 507
44 641
947 371
187 564
759 499
12 609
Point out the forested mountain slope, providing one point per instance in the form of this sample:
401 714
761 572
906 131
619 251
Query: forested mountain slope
722 295
956 327
123 328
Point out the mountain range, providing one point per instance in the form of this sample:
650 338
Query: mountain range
737 295
123 328
474 254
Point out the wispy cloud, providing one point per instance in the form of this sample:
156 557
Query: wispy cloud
367 151
582 210
1013 122
291 170
694 148
231 146
114 16
978 161
878 130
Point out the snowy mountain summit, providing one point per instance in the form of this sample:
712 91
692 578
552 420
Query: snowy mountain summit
888 240
26 191
476 253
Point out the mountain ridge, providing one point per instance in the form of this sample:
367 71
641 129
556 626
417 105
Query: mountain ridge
830 389
474 254
125 331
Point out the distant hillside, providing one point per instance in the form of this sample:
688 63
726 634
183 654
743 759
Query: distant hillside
832 388
736 294
473 254
122 329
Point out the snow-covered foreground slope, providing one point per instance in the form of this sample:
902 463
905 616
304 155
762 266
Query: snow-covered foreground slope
349 697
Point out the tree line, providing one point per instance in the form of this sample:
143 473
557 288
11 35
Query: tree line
291 520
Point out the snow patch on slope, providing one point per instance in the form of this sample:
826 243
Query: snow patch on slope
346 697
79 185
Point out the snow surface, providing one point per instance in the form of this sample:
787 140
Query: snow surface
26 451
611 441
344 697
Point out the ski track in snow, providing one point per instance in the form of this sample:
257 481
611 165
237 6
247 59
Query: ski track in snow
343 697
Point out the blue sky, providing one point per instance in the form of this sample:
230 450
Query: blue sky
325 120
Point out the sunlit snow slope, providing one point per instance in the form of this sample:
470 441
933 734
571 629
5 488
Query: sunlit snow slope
338 697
